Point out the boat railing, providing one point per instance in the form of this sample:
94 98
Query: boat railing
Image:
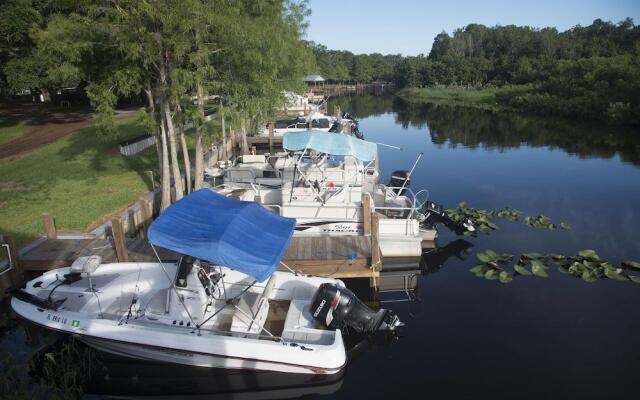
345 207
195 330
414 199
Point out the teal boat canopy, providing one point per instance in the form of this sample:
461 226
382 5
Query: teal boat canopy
331 143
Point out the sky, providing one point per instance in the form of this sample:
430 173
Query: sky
409 26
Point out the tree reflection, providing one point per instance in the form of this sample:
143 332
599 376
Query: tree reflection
472 128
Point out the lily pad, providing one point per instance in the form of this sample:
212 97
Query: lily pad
589 254
587 276
631 264
519 268
505 277
538 270
491 274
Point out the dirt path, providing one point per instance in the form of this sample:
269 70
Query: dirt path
47 125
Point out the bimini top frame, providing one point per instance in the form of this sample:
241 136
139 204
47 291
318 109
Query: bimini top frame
335 144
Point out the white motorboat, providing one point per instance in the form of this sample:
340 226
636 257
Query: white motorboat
315 120
222 312
321 181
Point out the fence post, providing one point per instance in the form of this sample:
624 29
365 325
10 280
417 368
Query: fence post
119 239
49 226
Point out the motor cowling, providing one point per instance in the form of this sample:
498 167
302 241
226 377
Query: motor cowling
400 179
336 308
436 214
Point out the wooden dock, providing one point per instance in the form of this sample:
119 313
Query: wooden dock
339 257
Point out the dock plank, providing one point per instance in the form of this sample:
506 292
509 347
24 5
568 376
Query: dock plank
340 257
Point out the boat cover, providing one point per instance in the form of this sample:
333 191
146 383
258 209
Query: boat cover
241 235
330 143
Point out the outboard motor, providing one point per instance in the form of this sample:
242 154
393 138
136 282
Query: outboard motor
436 214
355 129
397 181
336 308
336 127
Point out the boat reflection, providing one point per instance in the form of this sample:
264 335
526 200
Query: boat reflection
399 283
127 379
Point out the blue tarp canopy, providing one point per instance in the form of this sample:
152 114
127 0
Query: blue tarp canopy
241 235
331 143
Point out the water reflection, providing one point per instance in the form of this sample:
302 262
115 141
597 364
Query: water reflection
473 128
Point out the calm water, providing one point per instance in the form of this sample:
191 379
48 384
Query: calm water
468 337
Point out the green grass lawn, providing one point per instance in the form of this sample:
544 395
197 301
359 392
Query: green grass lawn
480 98
80 179
10 130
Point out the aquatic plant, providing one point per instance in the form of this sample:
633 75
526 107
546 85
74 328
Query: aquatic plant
483 219
586 265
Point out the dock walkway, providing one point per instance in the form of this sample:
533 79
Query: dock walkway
339 257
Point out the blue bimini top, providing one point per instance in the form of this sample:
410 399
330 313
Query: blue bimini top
331 143
241 235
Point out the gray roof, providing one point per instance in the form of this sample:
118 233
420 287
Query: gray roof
313 78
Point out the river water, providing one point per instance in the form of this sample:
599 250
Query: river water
467 337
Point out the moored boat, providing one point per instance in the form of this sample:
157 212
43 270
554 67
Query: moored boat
215 306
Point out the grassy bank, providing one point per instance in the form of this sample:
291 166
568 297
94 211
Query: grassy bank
10 130
485 98
79 179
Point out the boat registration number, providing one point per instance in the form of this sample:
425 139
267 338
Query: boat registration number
57 318
62 320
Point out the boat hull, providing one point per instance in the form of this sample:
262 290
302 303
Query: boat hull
176 356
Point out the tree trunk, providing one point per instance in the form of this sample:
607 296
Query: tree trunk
223 155
199 167
165 181
245 143
152 112
171 133
187 161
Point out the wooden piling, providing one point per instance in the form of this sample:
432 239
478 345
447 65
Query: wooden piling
49 226
145 216
271 135
119 239
376 256
366 213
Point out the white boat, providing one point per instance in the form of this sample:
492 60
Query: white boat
315 120
321 181
198 312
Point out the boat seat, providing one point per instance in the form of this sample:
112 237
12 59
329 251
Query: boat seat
252 306
299 325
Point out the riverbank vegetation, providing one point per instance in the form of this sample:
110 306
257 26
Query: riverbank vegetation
585 72
175 55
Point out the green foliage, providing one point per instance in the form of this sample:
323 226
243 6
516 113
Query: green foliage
591 72
493 266
586 265
344 66
483 219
